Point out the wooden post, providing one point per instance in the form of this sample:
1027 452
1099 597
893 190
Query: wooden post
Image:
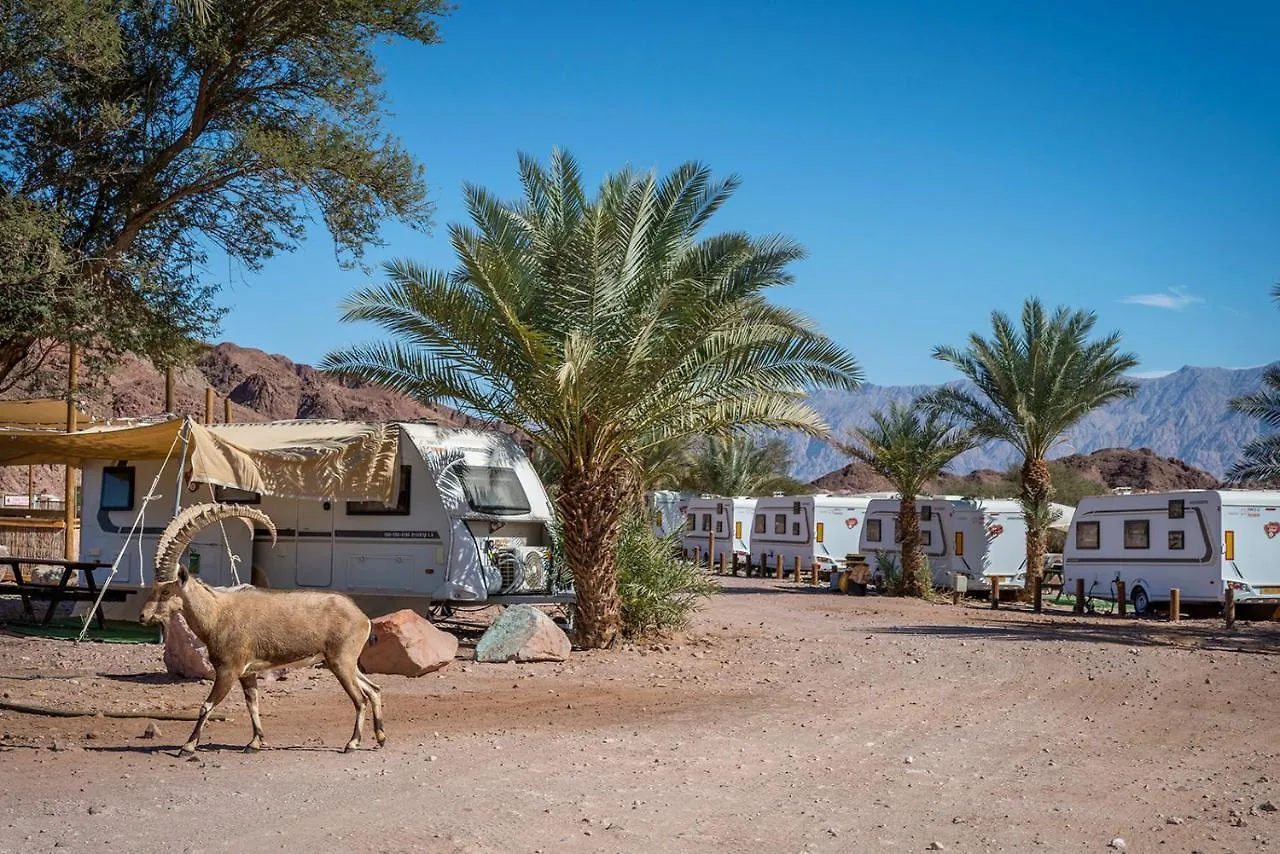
795 570
722 562
208 405
711 549
1079 606
697 556
1121 597
778 566
31 487
995 591
1229 608
816 566
226 410
764 564
1038 594
955 596
168 389
1175 605
69 486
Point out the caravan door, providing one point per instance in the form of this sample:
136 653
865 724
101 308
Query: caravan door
315 544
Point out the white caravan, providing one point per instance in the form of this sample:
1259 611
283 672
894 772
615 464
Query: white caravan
727 519
470 523
814 528
1202 542
976 537
667 509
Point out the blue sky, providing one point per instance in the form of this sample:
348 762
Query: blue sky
938 160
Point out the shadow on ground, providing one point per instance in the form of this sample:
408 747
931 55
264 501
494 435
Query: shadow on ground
1257 638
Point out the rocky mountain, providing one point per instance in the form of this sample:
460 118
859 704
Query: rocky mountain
261 387
1139 468
1183 415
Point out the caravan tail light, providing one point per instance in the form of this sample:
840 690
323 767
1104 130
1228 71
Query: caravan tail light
737 530
1230 550
960 543
818 535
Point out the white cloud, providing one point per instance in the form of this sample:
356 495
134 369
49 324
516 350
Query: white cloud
1176 299
1149 375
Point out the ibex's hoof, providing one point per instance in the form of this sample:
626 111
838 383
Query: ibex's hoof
186 752
350 748
381 737
253 748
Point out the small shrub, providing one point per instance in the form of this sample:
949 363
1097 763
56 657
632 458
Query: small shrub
891 581
659 590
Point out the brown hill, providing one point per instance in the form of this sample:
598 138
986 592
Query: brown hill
261 387
1138 468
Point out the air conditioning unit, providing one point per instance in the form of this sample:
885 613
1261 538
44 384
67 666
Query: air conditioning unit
523 569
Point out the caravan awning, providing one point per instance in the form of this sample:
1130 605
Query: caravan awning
292 459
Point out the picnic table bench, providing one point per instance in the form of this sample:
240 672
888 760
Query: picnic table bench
62 591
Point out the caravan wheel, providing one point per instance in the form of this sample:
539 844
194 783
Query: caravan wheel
1141 602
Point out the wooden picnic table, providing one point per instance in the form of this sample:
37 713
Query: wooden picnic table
28 589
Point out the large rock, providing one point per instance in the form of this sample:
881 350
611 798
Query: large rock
184 654
406 644
523 633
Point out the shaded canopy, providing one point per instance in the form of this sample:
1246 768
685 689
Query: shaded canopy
292 459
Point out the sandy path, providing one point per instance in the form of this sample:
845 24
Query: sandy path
785 721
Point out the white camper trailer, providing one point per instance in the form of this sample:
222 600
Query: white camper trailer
667 509
727 519
976 537
1202 542
468 522
814 528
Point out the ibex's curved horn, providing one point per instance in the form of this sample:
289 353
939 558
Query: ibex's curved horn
179 533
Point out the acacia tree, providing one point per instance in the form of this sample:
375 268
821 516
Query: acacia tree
909 446
1261 460
1033 383
136 136
602 325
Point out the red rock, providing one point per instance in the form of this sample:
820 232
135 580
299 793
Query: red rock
406 644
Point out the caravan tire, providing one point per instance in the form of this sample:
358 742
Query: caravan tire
1141 602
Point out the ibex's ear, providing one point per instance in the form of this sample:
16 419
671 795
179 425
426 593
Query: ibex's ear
183 575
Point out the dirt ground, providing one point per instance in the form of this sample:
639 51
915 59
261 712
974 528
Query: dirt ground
785 720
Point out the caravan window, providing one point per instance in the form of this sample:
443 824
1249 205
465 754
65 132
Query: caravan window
795 529
1137 534
496 491
761 521
926 538
719 526
706 521
1177 541
1087 535
231 495
873 530
926 513
377 508
780 523
117 488
1177 508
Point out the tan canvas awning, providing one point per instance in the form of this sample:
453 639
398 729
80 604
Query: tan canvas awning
295 459
38 413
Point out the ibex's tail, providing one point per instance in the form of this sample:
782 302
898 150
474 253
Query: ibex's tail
179 533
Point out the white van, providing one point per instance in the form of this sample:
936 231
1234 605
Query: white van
724 521
819 529
1202 542
976 537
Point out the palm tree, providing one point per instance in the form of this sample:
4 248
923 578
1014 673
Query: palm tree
909 446
738 465
1261 460
602 326
1034 384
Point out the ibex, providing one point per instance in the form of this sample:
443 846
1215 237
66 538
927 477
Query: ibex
248 631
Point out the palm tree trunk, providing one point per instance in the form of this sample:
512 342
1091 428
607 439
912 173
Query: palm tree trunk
591 505
912 555
1037 489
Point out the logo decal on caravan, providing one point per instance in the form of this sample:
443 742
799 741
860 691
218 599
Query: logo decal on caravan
851 522
995 530
1272 528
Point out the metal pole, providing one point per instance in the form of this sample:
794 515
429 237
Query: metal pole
69 494
182 462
